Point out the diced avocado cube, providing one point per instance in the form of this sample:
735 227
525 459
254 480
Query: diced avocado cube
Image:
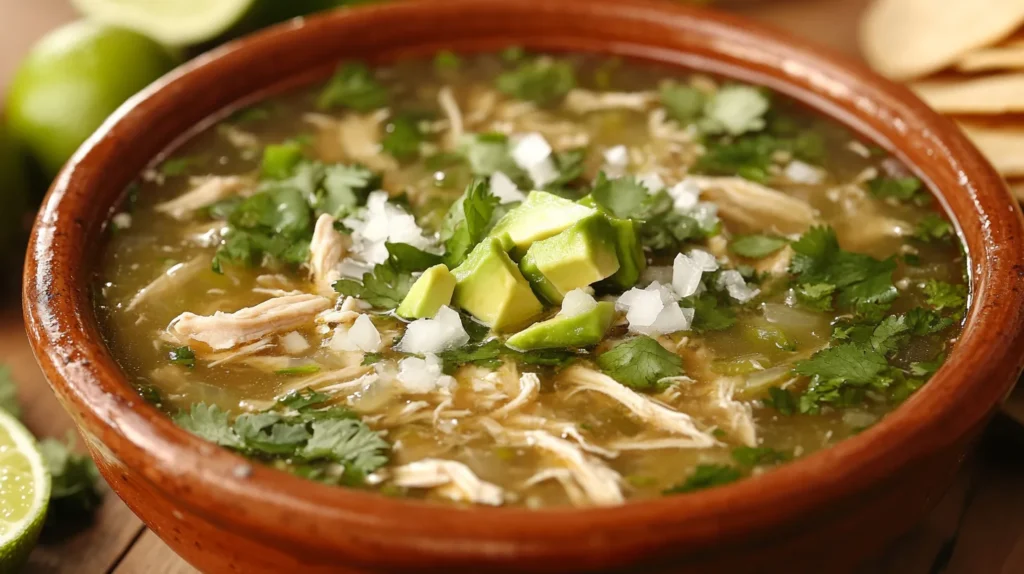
540 216
582 254
629 251
489 286
583 330
628 248
431 291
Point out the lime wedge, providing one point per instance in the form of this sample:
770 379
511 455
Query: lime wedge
24 493
172 22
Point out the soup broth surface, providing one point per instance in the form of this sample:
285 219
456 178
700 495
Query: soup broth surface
741 282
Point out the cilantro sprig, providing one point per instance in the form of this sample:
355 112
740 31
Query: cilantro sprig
640 363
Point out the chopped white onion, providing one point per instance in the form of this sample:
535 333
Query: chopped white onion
736 286
651 181
361 336
293 343
421 376
533 153
384 222
505 189
577 302
616 160
442 333
704 260
686 274
800 172
654 310
685 195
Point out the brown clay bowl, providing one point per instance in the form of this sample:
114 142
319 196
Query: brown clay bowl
816 514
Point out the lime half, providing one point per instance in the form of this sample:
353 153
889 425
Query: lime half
24 493
173 22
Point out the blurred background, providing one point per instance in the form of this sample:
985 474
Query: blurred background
61 74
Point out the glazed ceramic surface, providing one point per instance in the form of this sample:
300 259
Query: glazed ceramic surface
225 515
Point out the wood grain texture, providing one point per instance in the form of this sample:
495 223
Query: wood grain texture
149 555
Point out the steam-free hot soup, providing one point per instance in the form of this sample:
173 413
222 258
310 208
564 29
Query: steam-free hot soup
519 279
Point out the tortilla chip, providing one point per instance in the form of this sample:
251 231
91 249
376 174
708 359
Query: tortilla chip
999 94
1003 146
906 39
988 59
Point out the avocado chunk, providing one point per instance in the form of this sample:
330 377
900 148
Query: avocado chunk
540 216
489 286
431 291
582 254
581 330
629 251
628 248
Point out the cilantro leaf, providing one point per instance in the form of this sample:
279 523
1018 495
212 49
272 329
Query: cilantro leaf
74 480
279 160
861 281
353 86
569 164
183 356
908 189
942 295
933 227
542 80
8 392
384 287
890 334
758 456
849 362
926 321
349 442
489 153
684 103
486 354
446 61
782 400
623 197
925 368
209 422
402 137
817 296
757 246
267 433
707 476
467 222
735 109
303 399
408 259
710 313
276 222
750 156
343 188
640 363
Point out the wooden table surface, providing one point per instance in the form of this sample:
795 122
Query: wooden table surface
978 528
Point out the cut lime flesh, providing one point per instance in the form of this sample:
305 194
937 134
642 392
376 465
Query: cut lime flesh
172 22
24 493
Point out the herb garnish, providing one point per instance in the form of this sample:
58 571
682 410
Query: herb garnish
640 363
467 222
541 80
353 86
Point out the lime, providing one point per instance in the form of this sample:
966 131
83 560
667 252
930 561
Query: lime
24 493
13 194
72 80
188 22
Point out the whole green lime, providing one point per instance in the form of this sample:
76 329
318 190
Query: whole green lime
14 194
72 80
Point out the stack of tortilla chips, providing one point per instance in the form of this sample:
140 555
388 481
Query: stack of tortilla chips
965 58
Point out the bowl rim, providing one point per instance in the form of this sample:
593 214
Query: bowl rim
959 398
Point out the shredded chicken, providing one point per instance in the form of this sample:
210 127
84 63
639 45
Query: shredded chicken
737 417
450 107
644 408
222 331
564 477
250 349
776 263
754 206
453 480
205 192
660 128
582 101
600 483
174 279
355 137
529 386
325 252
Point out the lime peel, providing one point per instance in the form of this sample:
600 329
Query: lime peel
20 519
